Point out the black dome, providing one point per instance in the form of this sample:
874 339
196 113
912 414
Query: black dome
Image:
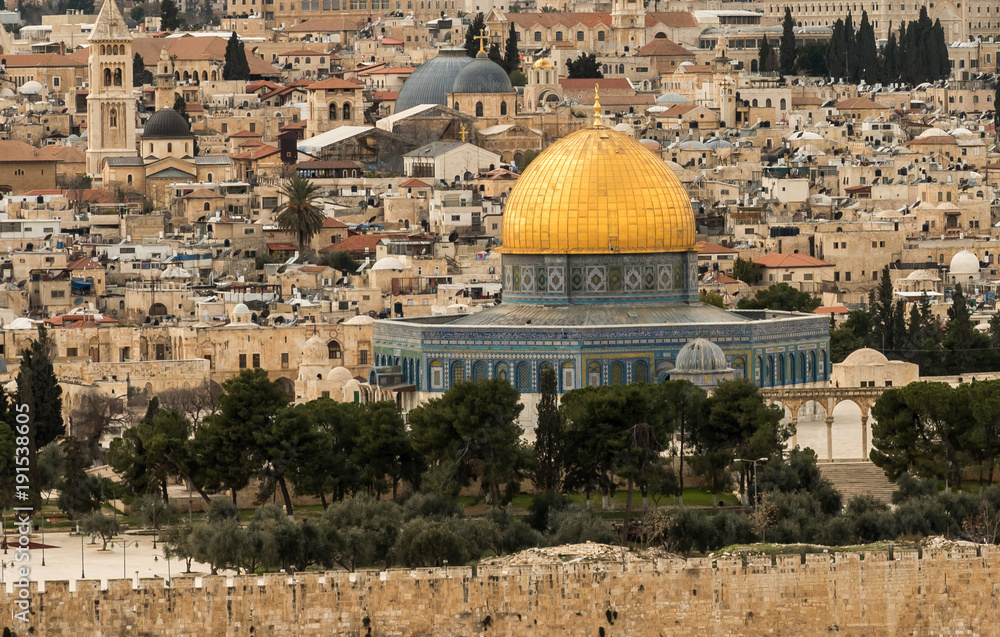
432 81
483 75
166 122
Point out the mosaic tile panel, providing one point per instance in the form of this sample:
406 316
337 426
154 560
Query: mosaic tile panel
615 278
597 279
557 278
633 278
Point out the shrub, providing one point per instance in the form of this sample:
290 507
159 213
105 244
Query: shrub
427 542
542 505
691 530
577 524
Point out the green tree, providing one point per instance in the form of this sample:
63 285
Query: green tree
853 334
340 260
476 29
963 344
738 424
384 451
549 434
51 465
169 16
180 106
884 313
746 271
140 76
236 66
919 429
494 54
767 57
362 531
836 50
511 56
686 404
584 67
299 212
712 298
787 43
427 542
868 64
78 490
782 297
811 60
328 463
138 14
104 526
474 425
982 441
229 445
38 388
527 157
517 78
87 6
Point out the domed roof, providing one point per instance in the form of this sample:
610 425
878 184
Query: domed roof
597 191
483 75
432 81
865 356
21 323
165 123
389 263
672 98
360 319
964 262
339 375
701 356
315 351
241 308
31 87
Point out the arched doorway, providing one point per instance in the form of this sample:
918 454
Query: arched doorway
286 386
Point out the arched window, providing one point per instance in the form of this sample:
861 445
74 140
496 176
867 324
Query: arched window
347 110
640 372
568 379
118 77
215 76
170 147
210 176
208 207
501 371
767 103
478 371
102 50
782 104
523 377
793 375
457 108
617 373
333 350
503 108
204 75
187 76
113 118
593 374
334 110
437 375
129 179
457 373
107 77
479 109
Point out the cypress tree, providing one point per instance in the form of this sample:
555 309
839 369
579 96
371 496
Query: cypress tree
787 44
836 51
549 435
867 51
766 57
477 28
169 16
237 67
940 67
851 59
889 61
511 56
494 53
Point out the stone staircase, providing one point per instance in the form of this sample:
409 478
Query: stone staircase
852 478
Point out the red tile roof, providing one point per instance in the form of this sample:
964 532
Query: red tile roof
414 183
831 309
704 247
333 83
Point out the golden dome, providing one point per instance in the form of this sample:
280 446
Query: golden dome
597 191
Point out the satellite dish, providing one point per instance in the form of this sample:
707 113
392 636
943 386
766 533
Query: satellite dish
78 301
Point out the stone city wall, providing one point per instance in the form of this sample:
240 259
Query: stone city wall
940 593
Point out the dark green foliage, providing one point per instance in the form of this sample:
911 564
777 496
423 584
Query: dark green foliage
140 76
474 425
431 505
137 13
526 158
476 29
908 488
494 54
576 524
787 44
86 6
811 59
780 296
548 434
180 106
511 56
691 530
836 51
299 212
867 53
340 260
169 15
746 270
78 490
584 67
732 527
430 542
236 66
799 472
362 531
541 508
38 388
767 57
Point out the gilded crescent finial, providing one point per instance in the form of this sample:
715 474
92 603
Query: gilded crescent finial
597 106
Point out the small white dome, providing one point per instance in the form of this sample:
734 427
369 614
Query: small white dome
961 132
964 262
865 356
360 319
672 98
31 88
389 263
241 308
932 132
339 375
21 323
315 351
701 356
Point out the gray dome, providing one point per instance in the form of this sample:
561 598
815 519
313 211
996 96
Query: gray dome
165 123
701 356
482 76
432 81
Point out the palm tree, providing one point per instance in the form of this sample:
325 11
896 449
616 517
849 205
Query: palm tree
299 212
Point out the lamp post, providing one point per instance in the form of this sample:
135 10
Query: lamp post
43 539
82 571
754 463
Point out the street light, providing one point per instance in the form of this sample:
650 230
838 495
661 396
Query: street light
754 463
124 552
43 539
82 575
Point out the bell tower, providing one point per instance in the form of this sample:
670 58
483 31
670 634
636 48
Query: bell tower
164 81
111 103
628 21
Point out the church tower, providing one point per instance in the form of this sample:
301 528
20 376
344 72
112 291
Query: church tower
111 103
164 82
628 22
